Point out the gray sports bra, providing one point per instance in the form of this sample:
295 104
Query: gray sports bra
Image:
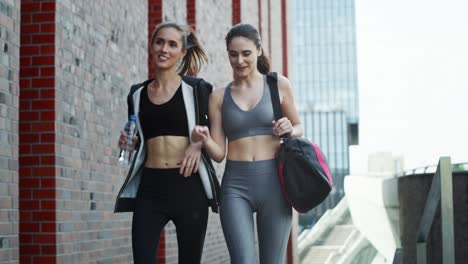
238 123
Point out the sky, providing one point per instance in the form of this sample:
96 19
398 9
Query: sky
413 80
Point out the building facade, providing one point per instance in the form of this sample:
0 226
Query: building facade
9 116
65 71
324 74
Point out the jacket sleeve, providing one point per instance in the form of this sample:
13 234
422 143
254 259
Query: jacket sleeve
131 108
205 90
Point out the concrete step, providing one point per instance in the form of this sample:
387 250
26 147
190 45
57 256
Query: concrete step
318 254
338 235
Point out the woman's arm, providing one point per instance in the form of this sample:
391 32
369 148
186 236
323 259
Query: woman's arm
214 140
290 123
189 164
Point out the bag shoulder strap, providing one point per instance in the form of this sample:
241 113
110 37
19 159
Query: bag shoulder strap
272 79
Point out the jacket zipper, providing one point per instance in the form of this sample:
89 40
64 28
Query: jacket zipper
197 110
129 174
197 121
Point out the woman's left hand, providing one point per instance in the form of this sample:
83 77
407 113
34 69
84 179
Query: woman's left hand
282 126
189 164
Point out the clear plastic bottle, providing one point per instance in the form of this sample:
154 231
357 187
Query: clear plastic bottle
126 150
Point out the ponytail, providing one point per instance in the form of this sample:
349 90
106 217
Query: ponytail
195 56
263 63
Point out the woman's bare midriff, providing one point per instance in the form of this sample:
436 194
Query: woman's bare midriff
165 152
253 148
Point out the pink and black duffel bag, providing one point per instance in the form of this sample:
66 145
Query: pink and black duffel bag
303 170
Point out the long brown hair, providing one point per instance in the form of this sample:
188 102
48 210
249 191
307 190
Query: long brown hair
250 32
195 56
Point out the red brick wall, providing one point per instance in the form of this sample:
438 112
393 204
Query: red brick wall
291 255
37 133
260 18
9 104
213 22
269 29
191 13
284 32
67 171
155 18
236 12
101 49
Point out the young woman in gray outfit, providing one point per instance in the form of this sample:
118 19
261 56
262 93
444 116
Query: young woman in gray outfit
242 112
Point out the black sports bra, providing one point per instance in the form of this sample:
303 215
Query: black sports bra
167 119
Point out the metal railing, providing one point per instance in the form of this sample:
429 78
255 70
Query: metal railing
441 191
456 167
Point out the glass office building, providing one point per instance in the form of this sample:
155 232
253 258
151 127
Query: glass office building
324 71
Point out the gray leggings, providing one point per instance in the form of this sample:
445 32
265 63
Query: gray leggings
250 187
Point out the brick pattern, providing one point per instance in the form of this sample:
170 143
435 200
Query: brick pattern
191 13
249 12
264 25
276 36
9 106
260 17
218 71
37 169
291 254
101 50
269 27
284 36
236 12
78 59
175 11
155 17
201 16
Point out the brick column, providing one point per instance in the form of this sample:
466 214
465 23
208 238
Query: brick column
191 14
37 169
260 18
284 32
9 74
192 19
155 18
236 12
269 29
291 254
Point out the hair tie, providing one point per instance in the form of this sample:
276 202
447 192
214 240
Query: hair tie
187 45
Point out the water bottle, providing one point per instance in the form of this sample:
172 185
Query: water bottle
126 150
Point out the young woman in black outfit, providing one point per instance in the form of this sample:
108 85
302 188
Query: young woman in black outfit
167 180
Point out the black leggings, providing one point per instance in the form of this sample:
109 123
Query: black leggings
164 195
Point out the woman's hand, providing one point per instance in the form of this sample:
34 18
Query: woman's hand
282 126
200 134
189 164
123 140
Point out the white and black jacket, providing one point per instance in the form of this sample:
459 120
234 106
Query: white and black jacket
195 92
